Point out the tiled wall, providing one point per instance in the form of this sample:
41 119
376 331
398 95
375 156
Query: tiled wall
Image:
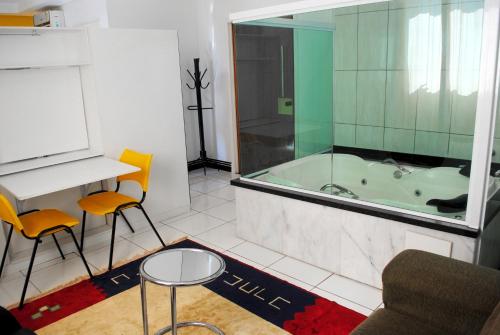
406 76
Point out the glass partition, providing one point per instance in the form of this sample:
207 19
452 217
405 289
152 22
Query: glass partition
373 103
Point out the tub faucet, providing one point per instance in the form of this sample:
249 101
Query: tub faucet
400 169
341 190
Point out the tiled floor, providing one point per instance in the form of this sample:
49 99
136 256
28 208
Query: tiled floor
212 222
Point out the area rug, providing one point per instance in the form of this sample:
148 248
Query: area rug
243 300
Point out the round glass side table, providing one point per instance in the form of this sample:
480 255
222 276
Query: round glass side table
177 268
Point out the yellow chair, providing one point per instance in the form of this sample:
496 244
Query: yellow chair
102 202
34 225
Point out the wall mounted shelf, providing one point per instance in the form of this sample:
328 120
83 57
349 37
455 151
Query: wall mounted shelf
30 31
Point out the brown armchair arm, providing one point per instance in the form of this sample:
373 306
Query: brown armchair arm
448 294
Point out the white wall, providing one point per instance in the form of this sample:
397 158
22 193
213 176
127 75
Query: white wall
85 12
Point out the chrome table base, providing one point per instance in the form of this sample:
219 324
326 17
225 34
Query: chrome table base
190 324
173 307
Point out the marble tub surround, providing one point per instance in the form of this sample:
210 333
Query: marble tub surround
363 208
354 245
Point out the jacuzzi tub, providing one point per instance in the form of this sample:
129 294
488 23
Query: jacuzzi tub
371 181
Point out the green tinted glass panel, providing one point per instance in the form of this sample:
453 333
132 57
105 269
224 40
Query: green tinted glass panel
313 68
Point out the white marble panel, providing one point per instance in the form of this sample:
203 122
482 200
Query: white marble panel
355 245
261 217
427 243
368 243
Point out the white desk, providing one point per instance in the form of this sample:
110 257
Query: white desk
34 183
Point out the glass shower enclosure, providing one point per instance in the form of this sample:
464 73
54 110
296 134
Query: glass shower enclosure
284 92
374 104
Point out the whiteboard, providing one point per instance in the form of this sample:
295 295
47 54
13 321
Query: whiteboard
41 113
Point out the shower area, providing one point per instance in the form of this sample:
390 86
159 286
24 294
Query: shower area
285 87
365 130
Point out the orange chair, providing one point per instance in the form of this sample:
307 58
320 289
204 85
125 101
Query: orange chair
102 203
34 225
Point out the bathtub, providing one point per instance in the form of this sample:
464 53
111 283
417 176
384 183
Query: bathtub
371 181
351 240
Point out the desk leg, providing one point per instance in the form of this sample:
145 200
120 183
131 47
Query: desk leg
104 188
84 190
20 205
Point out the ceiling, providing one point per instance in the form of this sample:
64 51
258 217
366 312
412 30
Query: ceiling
17 6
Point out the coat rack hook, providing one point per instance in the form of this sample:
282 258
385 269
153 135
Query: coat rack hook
203 75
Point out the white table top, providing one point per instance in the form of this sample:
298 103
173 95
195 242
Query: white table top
33 183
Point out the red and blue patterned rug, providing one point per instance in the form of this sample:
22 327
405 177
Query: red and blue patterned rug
278 302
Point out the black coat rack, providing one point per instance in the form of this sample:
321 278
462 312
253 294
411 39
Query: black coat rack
198 86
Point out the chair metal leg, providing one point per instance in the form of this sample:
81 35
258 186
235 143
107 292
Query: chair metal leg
6 249
83 229
110 265
127 222
30 267
58 246
70 231
152 225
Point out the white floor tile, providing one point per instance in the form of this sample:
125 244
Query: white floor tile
206 186
149 241
194 194
224 236
11 275
304 272
204 202
206 244
257 253
244 260
289 279
225 212
59 274
180 217
359 293
224 176
226 193
196 179
196 173
343 302
97 237
123 250
52 262
10 291
196 224
139 227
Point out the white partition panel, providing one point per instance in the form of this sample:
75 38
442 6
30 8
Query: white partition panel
42 113
140 106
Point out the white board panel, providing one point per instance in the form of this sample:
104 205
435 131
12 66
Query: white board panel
41 113
140 105
51 47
